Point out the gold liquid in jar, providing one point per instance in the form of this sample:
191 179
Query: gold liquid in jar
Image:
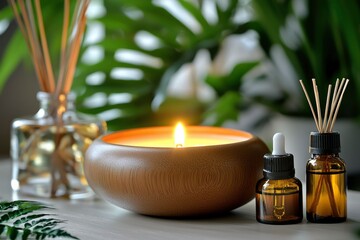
48 150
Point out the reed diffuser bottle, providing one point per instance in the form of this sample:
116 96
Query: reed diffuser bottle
48 149
325 180
325 170
279 193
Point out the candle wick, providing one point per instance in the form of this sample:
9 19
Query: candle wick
179 145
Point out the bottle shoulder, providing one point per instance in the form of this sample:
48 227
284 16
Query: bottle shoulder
69 117
290 185
332 163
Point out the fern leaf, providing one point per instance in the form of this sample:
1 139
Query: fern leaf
29 218
39 222
17 221
26 233
47 223
40 236
17 213
60 233
9 205
12 232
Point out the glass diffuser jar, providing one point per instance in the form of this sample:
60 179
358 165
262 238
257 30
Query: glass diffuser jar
48 149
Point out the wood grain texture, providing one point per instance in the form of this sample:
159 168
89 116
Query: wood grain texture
176 182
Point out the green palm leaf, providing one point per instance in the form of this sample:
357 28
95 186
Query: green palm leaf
176 45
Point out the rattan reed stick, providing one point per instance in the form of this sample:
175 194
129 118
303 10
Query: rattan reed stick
323 128
64 47
310 104
338 105
45 47
336 95
318 106
75 47
39 56
25 28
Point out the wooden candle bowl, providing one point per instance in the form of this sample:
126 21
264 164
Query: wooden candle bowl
171 182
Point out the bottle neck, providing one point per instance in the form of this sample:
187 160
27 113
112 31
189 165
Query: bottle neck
279 175
54 105
324 155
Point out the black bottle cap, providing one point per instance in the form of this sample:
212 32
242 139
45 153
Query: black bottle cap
324 143
279 166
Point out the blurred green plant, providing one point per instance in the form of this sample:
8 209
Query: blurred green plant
229 99
176 44
108 86
317 39
303 39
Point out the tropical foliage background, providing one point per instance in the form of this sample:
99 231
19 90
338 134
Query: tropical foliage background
137 47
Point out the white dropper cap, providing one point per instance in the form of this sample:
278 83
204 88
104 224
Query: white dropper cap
279 164
278 144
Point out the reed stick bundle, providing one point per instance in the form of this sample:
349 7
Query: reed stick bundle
326 125
29 16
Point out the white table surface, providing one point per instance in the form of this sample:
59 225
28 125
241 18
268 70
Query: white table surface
100 220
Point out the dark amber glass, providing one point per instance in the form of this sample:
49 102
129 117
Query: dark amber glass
279 201
326 189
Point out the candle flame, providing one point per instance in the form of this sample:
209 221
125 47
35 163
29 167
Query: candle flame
179 135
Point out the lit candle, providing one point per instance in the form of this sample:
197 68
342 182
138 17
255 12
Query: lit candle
167 171
179 135
166 137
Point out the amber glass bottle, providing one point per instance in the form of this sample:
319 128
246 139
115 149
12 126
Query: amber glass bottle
325 180
279 193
